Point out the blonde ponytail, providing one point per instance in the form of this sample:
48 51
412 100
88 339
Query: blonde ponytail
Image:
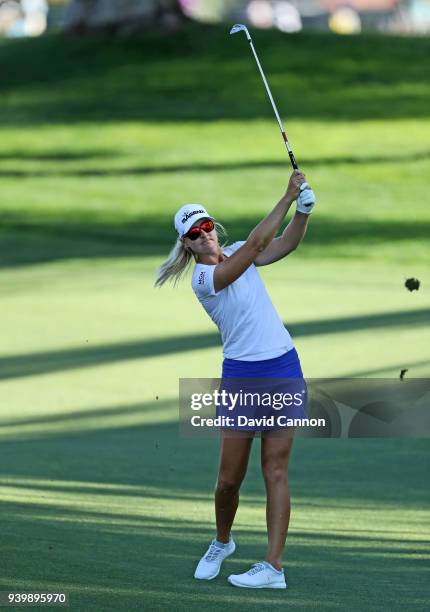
179 258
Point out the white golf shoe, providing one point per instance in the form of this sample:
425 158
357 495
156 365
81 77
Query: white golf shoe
261 576
210 564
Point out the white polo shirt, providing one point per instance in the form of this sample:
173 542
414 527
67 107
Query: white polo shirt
251 329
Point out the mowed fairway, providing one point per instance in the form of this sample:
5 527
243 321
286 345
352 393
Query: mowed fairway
101 140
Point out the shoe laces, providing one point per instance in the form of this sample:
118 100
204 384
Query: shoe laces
257 567
213 553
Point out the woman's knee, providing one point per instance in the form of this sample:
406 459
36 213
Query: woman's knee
274 471
275 457
226 484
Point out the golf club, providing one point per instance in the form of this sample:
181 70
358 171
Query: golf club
239 27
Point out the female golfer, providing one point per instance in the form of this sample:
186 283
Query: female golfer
255 345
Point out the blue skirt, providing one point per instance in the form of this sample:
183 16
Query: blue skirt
262 395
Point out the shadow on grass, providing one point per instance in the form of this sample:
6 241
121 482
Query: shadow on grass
55 531
77 419
156 460
26 240
323 568
56 361
397 368
195 167
202 74
141 524
56 155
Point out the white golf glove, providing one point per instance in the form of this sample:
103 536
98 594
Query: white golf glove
306 200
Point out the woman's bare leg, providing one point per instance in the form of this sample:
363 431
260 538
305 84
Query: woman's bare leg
275 454
234 456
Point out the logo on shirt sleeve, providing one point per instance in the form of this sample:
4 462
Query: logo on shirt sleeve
202 278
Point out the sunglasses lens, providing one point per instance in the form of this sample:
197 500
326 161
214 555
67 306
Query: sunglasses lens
207 226
194 233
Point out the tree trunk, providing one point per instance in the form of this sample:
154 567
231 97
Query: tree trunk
124 15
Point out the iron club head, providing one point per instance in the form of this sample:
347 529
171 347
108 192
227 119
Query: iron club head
239 27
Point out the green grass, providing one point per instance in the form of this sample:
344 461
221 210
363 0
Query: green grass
102 139
85 522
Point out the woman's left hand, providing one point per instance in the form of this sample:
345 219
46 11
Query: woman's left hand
306 200
293 189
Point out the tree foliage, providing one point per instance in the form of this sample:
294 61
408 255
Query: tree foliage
124 15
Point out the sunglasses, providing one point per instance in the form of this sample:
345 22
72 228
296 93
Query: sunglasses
194 233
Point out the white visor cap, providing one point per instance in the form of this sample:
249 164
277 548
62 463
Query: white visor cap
188 215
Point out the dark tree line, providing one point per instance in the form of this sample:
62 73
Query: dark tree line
124 15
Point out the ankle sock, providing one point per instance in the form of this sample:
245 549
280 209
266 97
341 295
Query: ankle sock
222 544
274 568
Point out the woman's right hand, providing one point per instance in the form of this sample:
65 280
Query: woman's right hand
293 189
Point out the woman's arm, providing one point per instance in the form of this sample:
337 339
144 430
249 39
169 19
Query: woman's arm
291 237
293 233
231 268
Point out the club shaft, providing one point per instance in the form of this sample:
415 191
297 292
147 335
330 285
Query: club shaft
269 93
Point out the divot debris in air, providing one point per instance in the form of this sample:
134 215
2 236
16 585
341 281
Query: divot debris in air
413 284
